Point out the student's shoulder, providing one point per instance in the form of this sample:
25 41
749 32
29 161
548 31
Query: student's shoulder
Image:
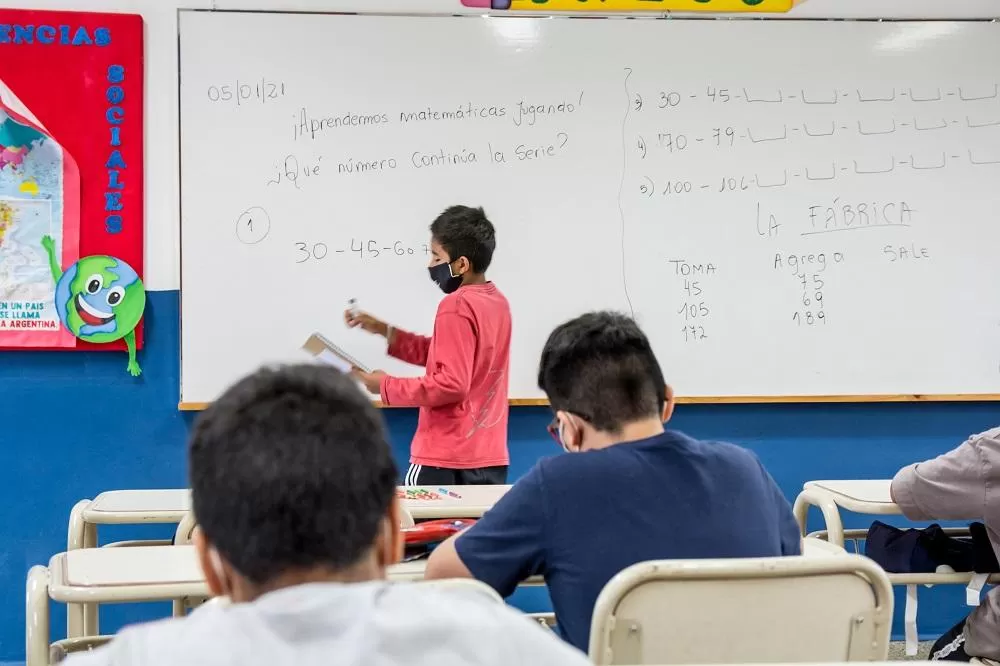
469 299
714 447
989 438
726 455
734 452
454 303
560 474
984 445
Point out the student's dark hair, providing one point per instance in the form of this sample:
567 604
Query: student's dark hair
290 469
601 367
466 232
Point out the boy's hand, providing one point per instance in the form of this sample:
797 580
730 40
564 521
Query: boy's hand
371 380
366 322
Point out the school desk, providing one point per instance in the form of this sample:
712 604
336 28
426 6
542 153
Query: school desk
124 507
96 576
873 497
869 497
414 571
132 507
118 507
427 502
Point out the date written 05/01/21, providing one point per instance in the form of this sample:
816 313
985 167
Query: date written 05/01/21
361 249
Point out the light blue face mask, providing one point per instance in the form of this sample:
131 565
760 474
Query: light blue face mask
563 441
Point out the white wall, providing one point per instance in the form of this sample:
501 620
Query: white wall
162 206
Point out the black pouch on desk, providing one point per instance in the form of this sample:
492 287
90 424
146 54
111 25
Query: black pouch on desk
985 556
959 553
922 551
899 551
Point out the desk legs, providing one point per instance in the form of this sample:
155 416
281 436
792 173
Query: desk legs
89 611
77 537
82 619
831 513
37 617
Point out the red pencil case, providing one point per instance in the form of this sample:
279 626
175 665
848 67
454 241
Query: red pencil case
434 531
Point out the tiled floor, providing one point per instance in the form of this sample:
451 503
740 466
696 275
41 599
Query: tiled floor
897 652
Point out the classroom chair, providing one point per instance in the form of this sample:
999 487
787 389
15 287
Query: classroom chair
770 610
124 507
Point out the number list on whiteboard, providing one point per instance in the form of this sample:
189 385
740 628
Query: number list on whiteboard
788 208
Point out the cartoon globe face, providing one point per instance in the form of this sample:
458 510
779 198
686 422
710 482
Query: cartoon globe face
100 299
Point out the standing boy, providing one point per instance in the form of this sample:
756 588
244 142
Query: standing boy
461 436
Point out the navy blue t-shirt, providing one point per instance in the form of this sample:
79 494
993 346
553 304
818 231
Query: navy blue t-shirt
578 519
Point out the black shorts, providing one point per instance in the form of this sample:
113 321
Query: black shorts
951 646
423 475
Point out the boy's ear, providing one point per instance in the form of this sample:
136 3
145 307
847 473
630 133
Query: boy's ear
390 545
212 576
668 404
462 266
572 435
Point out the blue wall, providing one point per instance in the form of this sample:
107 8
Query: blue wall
76 424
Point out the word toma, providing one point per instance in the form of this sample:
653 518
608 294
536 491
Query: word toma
682 267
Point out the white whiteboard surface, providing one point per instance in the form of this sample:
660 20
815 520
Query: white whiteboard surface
913 136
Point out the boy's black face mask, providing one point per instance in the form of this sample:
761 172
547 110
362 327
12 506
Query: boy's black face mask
444 278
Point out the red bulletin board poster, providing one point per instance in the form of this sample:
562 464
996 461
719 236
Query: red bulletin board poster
71 179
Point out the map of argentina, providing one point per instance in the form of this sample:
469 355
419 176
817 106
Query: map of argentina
32 195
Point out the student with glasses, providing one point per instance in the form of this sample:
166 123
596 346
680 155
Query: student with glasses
631 491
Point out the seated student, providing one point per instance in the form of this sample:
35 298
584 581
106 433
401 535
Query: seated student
960 485
629 491
293 484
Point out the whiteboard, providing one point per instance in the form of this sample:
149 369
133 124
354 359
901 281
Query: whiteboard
800 208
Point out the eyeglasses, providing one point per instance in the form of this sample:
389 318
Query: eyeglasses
553 429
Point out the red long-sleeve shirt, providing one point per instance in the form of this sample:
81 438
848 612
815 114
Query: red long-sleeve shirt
463 394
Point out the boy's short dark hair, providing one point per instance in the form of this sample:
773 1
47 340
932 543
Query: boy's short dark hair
601 367
466 232
290 469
